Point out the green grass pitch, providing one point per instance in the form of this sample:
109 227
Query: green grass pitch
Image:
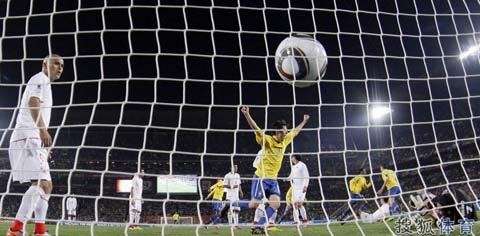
349 229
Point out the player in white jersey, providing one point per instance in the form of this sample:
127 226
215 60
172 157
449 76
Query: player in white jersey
72 208
30 144
260 210
233 188
300 179
135 203
258 158
380 214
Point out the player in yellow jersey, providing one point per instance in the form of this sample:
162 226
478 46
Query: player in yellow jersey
176 217
265 180
390 182
216 191
357 185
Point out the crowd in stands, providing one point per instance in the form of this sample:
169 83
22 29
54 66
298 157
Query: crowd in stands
440 165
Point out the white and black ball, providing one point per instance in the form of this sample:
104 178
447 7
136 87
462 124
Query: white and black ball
301 60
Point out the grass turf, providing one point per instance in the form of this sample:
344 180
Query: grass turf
349 229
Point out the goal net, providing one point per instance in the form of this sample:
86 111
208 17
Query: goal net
158 86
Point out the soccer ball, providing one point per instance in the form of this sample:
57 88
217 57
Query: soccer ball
301 60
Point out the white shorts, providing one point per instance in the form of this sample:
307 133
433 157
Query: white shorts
233 204
232 197
135 205
298 195
72 212
29 161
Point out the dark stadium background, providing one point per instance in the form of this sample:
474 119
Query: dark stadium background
143 90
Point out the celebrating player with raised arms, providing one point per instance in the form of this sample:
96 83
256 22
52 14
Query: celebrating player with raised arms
273 146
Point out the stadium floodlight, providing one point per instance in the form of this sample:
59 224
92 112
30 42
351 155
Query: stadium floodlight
378 112
470 51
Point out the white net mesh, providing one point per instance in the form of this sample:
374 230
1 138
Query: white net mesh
158 85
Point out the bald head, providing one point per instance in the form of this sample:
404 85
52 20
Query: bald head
53 66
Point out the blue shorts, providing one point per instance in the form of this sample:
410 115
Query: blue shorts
252 188
270 187
356 198
217 205
393 191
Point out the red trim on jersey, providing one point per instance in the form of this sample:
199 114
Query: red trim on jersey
23 139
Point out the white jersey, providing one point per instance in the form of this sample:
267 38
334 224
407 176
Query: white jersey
232 179
71 203
299 176
137 188
258 158
378 215
38 86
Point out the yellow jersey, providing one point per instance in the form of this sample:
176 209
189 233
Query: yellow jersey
216 190
389 178
289 195
175 216
358 184
273 152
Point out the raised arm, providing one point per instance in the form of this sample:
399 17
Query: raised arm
251 122
299 127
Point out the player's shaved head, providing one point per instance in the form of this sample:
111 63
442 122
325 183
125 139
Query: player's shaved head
52 66
50 57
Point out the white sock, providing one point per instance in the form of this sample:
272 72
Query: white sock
258 214
137 217
296 218
29 200
235 218
131 217
303 213
229 216
41 211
